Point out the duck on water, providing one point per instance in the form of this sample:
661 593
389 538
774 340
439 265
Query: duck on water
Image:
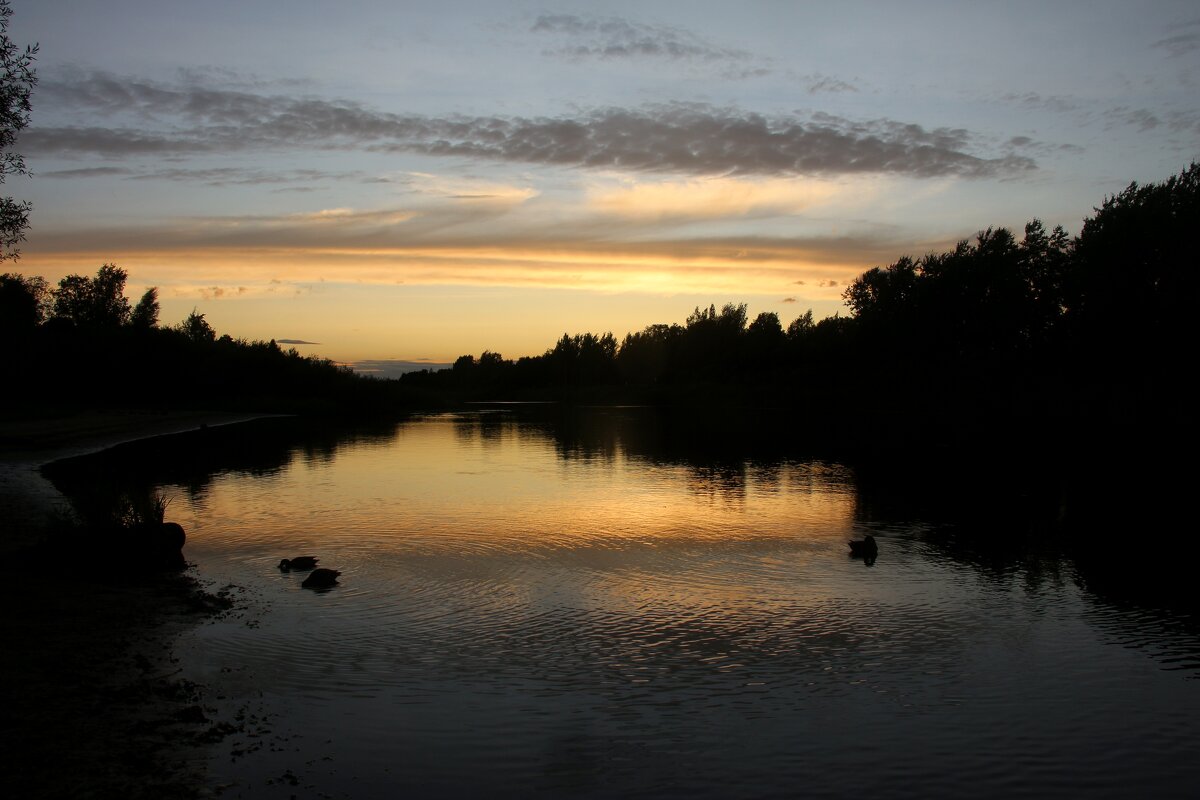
321 579
865 548
298 563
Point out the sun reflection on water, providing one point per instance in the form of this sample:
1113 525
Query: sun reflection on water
521 602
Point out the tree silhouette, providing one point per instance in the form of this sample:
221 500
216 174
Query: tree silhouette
23 302
145 313
1134 279
197 329
17 79
97 302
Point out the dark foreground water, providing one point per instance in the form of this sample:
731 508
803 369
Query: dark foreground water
587 610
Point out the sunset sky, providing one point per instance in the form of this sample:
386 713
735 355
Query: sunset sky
415 181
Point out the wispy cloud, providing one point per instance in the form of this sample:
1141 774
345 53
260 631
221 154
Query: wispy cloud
687 139
709 198
1181 43
218 292
616 38
818 83
394 368
86 172
237 176
216 258
1034 101
1141 118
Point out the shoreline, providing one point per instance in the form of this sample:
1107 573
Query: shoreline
94 701
29 503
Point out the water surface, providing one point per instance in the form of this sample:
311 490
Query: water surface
532 607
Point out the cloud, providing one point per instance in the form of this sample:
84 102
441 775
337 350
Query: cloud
241 176
817 83
217 292
1182 43
1141 118
86 172
789 299
454 244
392 368
465 188
709 198
1146 120
294 341
702 140
616 38
1033 101
685 139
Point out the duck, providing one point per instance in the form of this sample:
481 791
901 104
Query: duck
298 563
865 547
321 579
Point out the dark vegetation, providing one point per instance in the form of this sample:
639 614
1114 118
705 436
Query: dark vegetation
1040 344
17 79
83 345
1038 340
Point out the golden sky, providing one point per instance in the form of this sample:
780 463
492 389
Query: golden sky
408 182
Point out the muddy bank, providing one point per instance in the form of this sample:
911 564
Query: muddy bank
94 704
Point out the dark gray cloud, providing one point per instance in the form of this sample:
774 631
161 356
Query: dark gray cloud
1141 118
86 172
1034 101
818 83
790 299
1181 43
241 176
294 341
1145 120
613 37
703 140
387 368
675 138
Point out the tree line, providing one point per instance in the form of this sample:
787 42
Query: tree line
1003 338
82 344
1040 335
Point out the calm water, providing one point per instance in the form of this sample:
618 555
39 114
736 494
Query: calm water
528 608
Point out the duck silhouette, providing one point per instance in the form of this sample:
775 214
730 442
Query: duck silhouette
865 548
321 579
298 563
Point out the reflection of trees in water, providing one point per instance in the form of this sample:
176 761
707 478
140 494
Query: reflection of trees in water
1005 522
722 457
1163 631
192 460
718 482
999 518
490 428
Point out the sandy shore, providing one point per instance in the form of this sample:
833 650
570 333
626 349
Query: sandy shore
94 705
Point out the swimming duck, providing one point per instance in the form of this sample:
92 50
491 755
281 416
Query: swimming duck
299 562
865 548
321 579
